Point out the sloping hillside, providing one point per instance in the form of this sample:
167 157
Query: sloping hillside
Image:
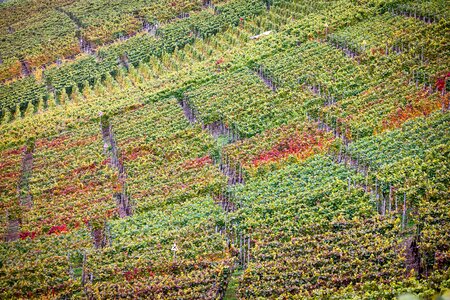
239 149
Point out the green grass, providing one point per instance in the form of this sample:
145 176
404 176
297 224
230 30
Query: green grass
231 292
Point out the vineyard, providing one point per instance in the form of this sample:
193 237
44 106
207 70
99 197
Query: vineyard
225 149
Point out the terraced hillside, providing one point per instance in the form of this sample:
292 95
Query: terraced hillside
236 149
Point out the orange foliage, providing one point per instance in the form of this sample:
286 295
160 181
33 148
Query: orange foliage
12 71
49 56
197 163
140 151
300 145
420 105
